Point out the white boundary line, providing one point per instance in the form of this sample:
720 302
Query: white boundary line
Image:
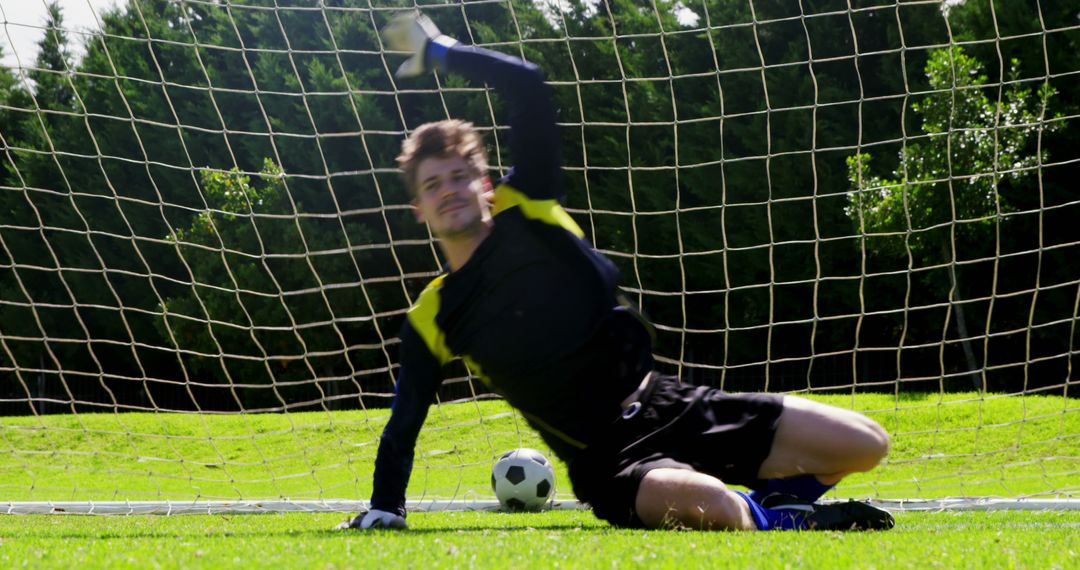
978 504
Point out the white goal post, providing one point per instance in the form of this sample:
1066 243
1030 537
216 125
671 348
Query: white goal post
206 252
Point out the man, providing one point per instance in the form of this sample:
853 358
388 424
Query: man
533 309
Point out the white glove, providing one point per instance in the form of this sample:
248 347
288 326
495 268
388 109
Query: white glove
375 519
412 33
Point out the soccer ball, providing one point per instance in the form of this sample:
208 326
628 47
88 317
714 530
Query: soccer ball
523 480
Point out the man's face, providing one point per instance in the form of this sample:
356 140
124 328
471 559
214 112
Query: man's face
451 196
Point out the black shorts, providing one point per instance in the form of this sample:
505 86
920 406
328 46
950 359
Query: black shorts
677 426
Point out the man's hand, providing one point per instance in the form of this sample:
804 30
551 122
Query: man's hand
374 519
412 33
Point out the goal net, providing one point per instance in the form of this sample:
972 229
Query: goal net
206 252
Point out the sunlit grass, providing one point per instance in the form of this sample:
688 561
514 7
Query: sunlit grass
943 445
566 539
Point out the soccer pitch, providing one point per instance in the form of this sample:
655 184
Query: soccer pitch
554 539
1022 446
943 445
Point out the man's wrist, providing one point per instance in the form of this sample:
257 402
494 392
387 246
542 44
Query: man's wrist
438 48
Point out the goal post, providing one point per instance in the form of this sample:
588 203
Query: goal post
206 252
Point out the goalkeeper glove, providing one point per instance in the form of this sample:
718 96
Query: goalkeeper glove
375 519
415 33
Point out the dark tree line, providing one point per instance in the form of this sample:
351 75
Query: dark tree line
203 211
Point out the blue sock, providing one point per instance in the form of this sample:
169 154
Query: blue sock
805 487
774 519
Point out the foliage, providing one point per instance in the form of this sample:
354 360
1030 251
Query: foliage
975 153
693 166
976 162
256 312
54 64
13 98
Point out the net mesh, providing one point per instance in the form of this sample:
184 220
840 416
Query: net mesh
206 252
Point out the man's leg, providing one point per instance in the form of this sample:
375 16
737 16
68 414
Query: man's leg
823 441
689 499
811 440
682 498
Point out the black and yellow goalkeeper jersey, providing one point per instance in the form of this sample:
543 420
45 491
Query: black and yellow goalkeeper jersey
533 312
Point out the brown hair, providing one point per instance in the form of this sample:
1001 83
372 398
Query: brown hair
441 139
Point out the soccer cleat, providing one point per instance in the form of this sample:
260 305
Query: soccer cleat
852 515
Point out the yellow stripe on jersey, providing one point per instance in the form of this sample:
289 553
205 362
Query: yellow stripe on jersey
547 211
422 317
422 314
474 367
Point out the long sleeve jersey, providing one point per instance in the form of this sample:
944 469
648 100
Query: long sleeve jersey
525 311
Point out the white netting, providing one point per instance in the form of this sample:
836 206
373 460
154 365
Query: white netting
206 253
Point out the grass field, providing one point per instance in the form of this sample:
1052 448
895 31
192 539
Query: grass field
555 539
943 445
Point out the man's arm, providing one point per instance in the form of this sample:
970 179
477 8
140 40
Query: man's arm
418 381
534 137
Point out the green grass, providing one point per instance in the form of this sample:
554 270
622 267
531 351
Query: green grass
567 539
943 445
950 445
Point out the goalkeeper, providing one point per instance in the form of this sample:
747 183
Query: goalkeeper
533 309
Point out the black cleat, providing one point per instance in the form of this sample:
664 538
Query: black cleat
851 515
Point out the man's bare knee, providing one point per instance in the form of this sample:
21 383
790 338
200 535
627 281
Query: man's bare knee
688 499
824 440
866 445
873 445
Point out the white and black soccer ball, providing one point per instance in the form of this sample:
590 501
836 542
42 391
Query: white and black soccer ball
523 480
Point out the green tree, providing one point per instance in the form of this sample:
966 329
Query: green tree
168 93
953 186
173 95
14 101
14 107
268 305
40 244
54 63
1041 35
52 98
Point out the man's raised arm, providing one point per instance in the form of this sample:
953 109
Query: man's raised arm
534 137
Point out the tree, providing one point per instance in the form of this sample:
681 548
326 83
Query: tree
177 102
53 96
54 64
36 246
953 186
266 306
14 101
1041 35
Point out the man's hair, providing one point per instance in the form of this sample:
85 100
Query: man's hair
441 139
